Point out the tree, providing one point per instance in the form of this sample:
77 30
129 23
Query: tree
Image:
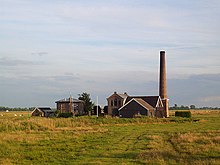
192 107
88 103
175 106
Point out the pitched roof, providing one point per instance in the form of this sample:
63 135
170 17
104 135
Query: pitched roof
143 103
140 101
123 96
44 109
151 100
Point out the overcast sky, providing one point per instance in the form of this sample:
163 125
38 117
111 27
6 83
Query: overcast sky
51 49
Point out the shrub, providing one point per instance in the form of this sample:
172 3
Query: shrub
65 115
183 114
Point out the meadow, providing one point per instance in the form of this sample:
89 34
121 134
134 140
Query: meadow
91 140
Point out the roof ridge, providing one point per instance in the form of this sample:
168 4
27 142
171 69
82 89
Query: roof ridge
144 96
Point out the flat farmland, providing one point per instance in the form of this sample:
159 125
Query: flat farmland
91 140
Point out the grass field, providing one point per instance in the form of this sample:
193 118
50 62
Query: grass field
88 140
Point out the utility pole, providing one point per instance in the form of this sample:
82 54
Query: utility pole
71 105
97 110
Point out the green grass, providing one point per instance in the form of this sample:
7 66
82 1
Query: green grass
88 140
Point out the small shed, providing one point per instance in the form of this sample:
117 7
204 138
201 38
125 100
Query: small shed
43 112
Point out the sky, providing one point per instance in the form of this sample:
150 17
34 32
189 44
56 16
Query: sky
52 49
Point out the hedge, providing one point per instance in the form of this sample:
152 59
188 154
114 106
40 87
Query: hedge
183 114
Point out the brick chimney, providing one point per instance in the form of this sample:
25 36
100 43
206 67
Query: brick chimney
163 83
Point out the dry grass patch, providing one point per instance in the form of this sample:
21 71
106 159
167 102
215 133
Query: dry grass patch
206 143
182 148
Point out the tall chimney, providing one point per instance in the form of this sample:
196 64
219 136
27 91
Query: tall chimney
163 83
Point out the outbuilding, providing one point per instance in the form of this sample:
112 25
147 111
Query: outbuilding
43 112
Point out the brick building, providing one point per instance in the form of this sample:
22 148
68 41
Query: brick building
124 105
71 105
127 106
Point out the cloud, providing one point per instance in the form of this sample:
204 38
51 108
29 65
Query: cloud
109 45
34 88
195 89
209 99
39 53
106 21
201 90
9 62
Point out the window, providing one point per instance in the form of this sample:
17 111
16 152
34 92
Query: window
119 102
111 102
115 102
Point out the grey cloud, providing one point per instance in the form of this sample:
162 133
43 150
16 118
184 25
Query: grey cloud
39 53
17 62
201 90
36 90
66 78
195 89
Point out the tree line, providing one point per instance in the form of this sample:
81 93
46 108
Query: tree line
2 108
182 107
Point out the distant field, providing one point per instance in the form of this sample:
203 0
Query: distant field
88 140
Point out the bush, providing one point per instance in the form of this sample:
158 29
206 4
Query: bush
183 114
65 115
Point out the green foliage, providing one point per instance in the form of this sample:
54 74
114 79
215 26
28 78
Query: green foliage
192 107
88 103
186 114
176 107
